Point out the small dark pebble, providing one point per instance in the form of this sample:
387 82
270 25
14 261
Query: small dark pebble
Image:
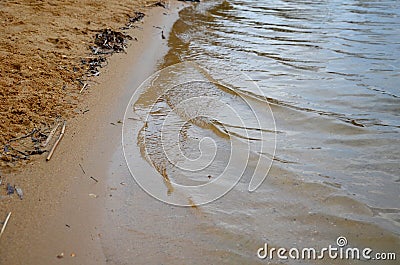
10 189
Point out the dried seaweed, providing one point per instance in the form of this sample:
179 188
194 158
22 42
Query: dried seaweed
22 147
137 17
94 64
109 41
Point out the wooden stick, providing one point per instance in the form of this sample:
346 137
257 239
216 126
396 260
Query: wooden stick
82 169
94 179
57 142
83 88
51 134
5 223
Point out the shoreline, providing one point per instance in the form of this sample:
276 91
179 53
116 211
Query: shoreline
42 70
84 207
57 215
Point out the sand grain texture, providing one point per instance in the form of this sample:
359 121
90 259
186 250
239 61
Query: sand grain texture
41 47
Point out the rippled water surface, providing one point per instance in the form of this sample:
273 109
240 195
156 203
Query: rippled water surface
330 72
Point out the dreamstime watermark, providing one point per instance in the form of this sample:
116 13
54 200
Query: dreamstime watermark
197 130
338 251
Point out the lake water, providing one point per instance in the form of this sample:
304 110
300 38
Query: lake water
329 71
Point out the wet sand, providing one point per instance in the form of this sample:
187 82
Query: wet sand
57 215
295 206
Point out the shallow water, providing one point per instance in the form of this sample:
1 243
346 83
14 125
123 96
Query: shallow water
330 73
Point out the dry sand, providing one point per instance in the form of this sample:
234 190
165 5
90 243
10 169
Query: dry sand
41 44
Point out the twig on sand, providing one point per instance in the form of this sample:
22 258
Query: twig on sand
51 134
94 179
5 224
83 88
82 169
57 142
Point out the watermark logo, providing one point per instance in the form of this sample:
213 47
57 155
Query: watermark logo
190 134
339 251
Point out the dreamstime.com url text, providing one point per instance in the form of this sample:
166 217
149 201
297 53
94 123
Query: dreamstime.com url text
338 251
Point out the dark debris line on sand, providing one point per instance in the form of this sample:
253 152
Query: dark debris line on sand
137 17
21 148
107 42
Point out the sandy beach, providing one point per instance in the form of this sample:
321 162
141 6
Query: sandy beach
276 125
57 215
43 45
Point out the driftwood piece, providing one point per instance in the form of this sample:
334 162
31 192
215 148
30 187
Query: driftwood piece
57 142
5 224
51 134
83 88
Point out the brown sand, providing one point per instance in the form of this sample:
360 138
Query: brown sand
57 215
42 43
